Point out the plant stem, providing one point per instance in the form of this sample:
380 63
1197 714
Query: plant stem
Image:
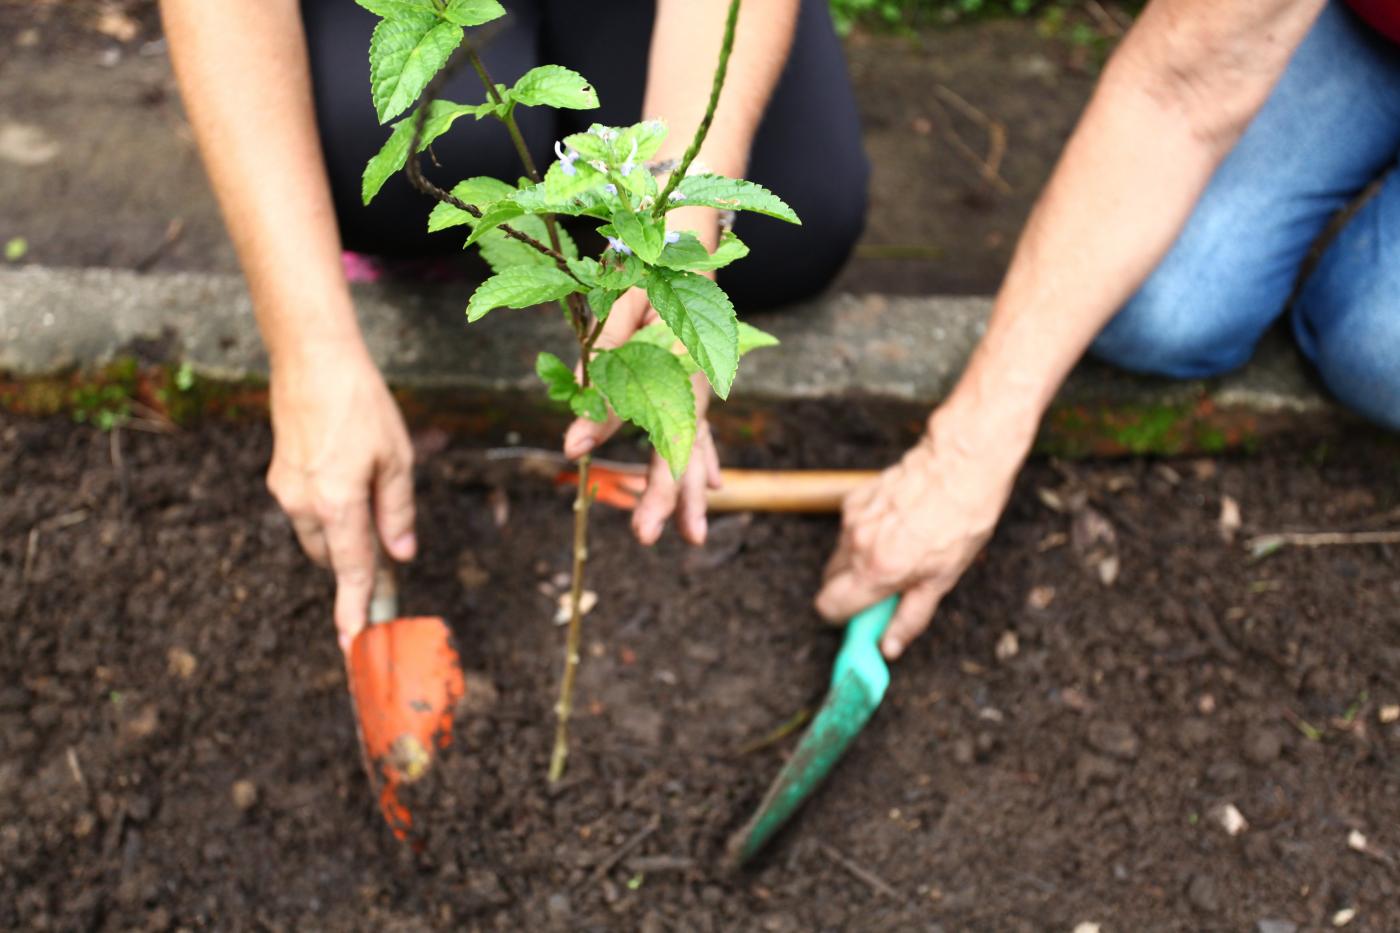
562 711
578 315
703 130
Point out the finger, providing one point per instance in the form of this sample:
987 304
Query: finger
393 507
312 538
351 545
657 502
714 473
630 313
690 512
847 593
585 434
916 609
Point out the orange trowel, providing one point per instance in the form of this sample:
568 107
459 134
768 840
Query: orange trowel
405 684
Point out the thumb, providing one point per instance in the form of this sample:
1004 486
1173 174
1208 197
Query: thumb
916 608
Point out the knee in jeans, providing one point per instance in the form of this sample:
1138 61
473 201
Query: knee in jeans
1176 330
1358 357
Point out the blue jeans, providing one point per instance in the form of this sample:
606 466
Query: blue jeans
1329 130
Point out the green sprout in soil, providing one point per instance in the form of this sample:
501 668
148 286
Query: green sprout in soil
602 176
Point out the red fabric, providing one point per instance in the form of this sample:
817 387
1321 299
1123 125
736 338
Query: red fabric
1383 15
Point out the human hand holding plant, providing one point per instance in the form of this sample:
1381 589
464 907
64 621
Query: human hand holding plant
665 495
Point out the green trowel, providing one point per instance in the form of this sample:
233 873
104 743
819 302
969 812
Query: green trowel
858 682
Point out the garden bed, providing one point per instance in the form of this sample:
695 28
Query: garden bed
176 747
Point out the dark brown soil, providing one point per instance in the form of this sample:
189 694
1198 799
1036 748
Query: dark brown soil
164 644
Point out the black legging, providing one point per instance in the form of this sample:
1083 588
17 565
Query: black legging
808 147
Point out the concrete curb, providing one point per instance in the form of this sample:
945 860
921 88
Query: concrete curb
873 348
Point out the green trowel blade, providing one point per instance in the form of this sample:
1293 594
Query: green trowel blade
859 679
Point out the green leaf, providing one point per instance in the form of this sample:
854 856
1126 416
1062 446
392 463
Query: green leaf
394 154
648 387
397 9
557 377
601 301
590 404
751 338
624 275
404 54
472 12
560 186
701 315
730 194
648 135
554 86
536 199
478 192
688 254
501 252
499 213
640 232
521 287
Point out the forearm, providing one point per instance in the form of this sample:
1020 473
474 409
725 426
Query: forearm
685 47
243 73
1172 103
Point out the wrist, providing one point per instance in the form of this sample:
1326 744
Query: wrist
993 434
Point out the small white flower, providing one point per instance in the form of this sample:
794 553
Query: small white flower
566 159
673 236
619 247
631 162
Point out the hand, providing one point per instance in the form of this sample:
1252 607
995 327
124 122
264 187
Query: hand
664 495
342 464
914 530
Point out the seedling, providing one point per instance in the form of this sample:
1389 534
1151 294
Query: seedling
602 175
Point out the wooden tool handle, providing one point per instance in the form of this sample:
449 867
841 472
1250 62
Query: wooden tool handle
786 490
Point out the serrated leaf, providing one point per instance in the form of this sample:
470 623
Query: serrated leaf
520 287
404 54
751 338
536 199
557 377
601 300
554 86
590 404
688 254
478 192
472 12
648 135
394 154
730 194
499 213
397 9
623 275
501 252
640 232
659 335
701 315
560 186
648 387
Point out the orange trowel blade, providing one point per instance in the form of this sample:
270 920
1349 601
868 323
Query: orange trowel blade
406 681
619 488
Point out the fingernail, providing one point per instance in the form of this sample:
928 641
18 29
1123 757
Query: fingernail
585 445
892 649
404 546
345 641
